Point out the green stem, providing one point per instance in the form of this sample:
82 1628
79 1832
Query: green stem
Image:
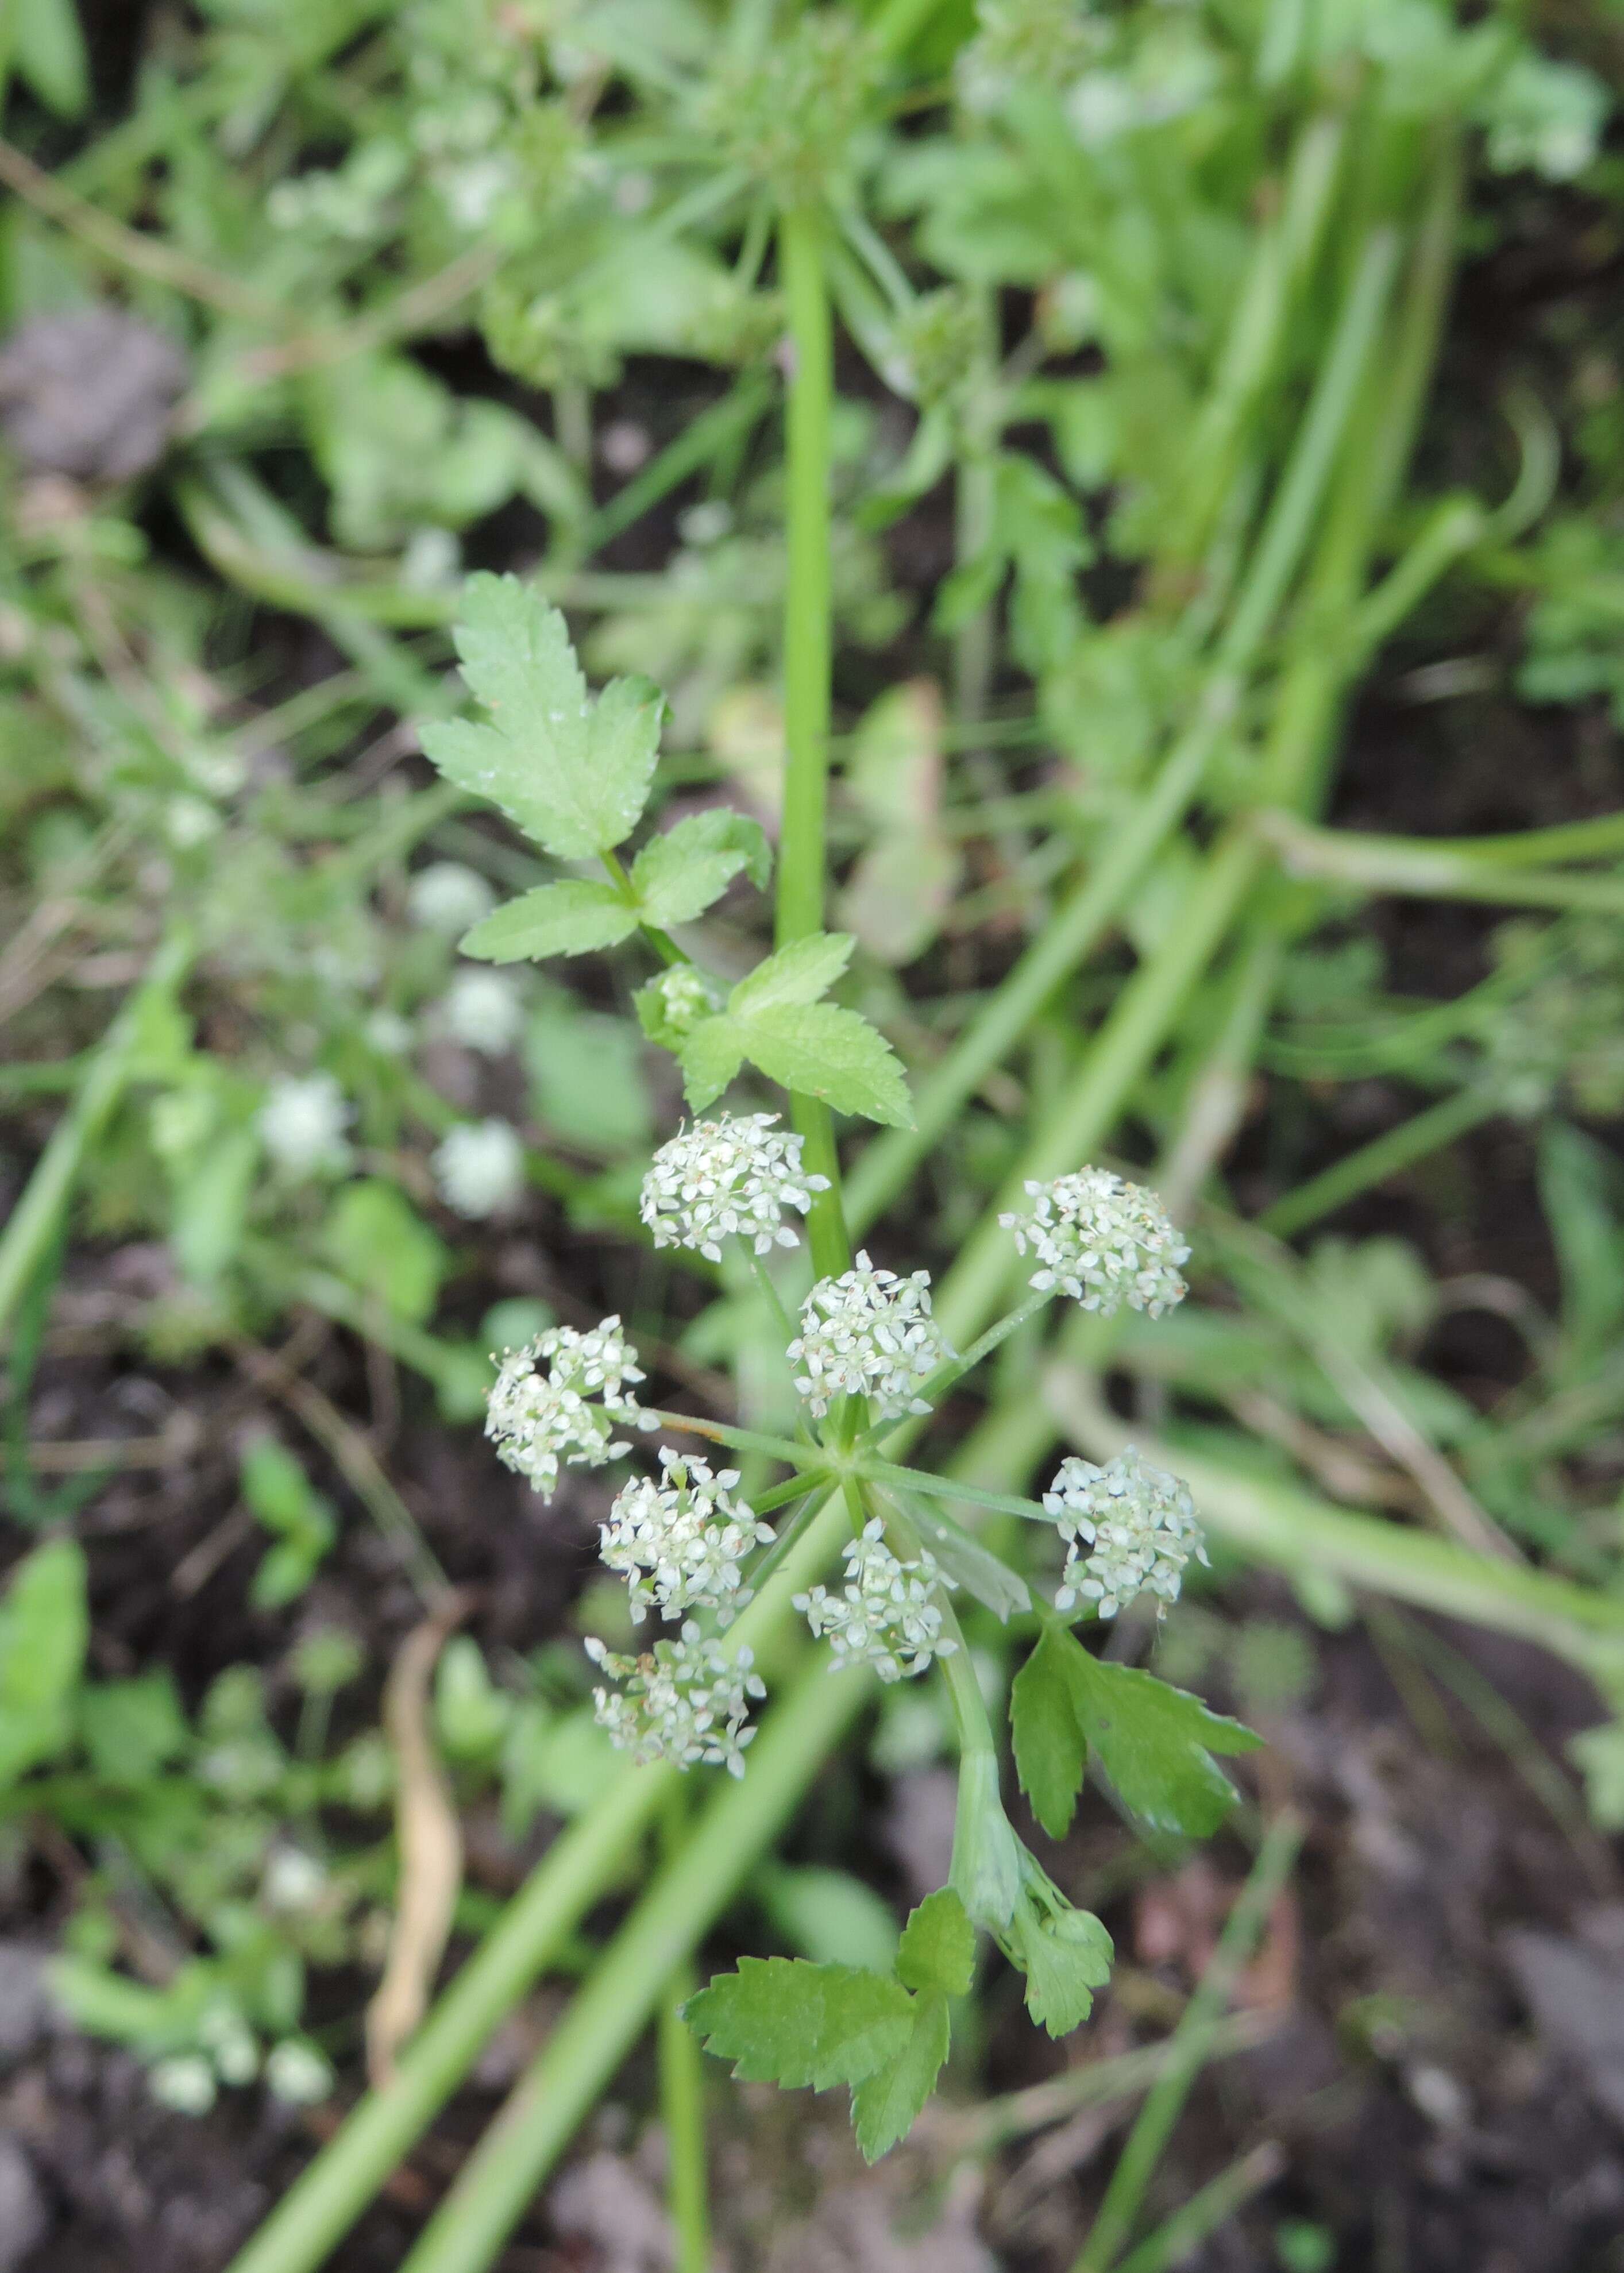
682 2092
324 2203
1287 1528
34 1218
497 2183
1385 1156
683 2108
746 1440
661 941
1148 2141
932 1391
1416 870
1213 2205
887 1164
706 437
887 1473
808 651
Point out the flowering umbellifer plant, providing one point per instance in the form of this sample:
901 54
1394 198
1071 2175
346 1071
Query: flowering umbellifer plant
870 1364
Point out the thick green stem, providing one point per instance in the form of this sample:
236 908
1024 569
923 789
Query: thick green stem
585 1860
682 2110
1412 869
1289 1528
467 2232
682 2094
807 649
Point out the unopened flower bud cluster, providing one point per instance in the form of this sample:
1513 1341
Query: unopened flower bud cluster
685 1701
680 1543
1104 1241
1132 1528
869 1333
722 1179
570 1411
888 1613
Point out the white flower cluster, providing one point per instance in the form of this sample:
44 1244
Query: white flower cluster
869 1333
302 1124
683 1701
1136 1522
484 1012
533 1417
679 1543
479 1168
887 1614
448 899
728 1177
1104 1241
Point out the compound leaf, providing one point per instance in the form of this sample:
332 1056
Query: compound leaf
782 2020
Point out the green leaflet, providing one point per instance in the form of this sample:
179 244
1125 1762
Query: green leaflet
775 1020
678 874
1050 1752
1154 1742
571 918
937 1950
1065 1956
884 2104
803 972
782 2020
572 774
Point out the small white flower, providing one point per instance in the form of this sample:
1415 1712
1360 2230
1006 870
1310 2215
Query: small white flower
302 1124
1137 1523
184 2083
728 1177
887 1614
230 2042
388 1033
869 1333
572 1410
294 1880
448 899
1104 1241
297 2073
680 1543
482 1010
479 1168
684 1701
